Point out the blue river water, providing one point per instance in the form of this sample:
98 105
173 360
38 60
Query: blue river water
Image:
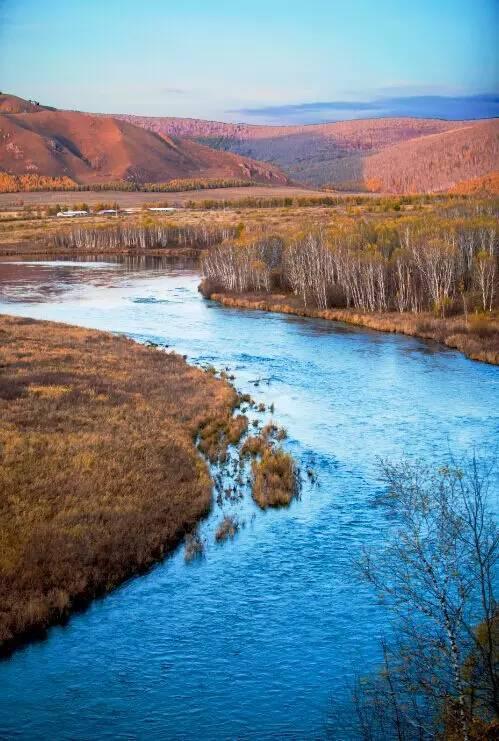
263 637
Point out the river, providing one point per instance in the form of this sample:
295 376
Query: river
262 637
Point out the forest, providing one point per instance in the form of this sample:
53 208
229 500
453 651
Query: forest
443 263
145 235
30 183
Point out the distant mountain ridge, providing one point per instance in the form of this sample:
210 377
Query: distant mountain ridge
392 155
89 149
357 154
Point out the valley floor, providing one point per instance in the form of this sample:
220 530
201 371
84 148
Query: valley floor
133 198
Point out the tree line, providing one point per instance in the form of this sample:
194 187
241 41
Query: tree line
141 236
34 183
430 264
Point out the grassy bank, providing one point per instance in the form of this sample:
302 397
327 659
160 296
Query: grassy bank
477 339
99 472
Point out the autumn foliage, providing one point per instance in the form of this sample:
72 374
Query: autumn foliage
394 155
31 183
432 274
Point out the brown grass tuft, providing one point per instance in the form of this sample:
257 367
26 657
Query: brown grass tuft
274 479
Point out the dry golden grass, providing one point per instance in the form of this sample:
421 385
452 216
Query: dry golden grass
99 473
274 479
253 446
217 433
27 228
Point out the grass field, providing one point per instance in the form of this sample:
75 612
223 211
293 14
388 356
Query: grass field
27 228
99 472
127 200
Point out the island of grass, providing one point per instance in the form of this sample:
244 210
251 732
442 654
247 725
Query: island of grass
99 471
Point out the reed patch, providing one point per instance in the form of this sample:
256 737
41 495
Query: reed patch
99 472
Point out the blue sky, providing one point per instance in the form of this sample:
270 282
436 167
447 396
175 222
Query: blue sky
260 61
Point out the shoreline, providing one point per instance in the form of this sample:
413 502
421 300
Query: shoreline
99 434
451 332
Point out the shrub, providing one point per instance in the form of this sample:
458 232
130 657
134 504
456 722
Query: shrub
275 479
253 446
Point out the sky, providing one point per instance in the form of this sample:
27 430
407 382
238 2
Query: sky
260 61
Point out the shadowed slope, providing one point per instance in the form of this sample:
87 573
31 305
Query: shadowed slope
341 154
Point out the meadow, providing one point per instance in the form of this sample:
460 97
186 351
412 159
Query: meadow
99 474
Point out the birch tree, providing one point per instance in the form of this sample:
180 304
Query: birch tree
437 575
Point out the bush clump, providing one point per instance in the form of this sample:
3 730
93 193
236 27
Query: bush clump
217 434
275 479
253 446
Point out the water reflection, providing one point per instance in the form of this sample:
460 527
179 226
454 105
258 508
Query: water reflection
32 281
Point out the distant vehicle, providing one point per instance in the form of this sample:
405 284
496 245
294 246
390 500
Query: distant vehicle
72 213
108 212
158 208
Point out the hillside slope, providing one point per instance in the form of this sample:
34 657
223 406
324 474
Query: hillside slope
437 162
92 149
14 104
339 154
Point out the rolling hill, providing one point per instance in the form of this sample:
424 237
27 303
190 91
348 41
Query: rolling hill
436 162
92 149
392 155
13 104
398 155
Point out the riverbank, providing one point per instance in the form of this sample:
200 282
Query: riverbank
477 339
99 472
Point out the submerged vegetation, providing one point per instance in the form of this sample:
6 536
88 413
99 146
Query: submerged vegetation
227 528
193 546
99 473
